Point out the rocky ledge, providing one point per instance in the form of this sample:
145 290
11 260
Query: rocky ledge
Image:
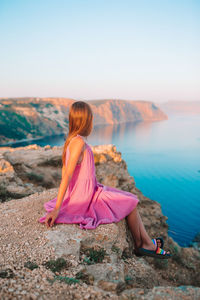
65 262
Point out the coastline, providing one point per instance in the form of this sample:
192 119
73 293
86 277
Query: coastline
10 144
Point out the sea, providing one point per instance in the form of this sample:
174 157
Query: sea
164 159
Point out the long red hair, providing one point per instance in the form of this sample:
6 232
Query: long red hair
80 122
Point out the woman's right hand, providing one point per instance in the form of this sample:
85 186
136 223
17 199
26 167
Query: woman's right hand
50 217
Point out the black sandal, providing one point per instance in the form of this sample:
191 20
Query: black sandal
155 243
159 253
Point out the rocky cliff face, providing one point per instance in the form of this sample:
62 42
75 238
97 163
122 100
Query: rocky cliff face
121 111
22 118
65 262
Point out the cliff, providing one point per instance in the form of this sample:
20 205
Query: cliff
27 118
121 111
65 262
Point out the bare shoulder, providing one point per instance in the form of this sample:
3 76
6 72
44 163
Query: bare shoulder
77 144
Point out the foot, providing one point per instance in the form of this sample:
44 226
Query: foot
158 252
152 245
159 241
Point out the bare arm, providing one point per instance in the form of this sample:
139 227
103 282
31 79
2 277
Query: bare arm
75 150
63 170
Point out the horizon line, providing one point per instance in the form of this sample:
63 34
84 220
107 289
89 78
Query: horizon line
97 99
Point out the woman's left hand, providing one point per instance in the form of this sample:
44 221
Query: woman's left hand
50 218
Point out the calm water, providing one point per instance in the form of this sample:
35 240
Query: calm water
164 159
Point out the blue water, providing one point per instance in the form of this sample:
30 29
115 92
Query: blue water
164 159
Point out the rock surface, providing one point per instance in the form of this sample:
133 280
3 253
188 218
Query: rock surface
26 170
66 262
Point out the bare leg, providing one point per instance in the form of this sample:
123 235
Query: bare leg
138 231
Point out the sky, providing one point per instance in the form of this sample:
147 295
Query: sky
100 49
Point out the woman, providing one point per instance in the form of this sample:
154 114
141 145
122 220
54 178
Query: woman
83 200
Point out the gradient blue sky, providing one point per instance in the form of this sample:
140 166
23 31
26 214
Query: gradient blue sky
88 49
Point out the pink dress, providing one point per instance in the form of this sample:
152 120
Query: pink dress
88 202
